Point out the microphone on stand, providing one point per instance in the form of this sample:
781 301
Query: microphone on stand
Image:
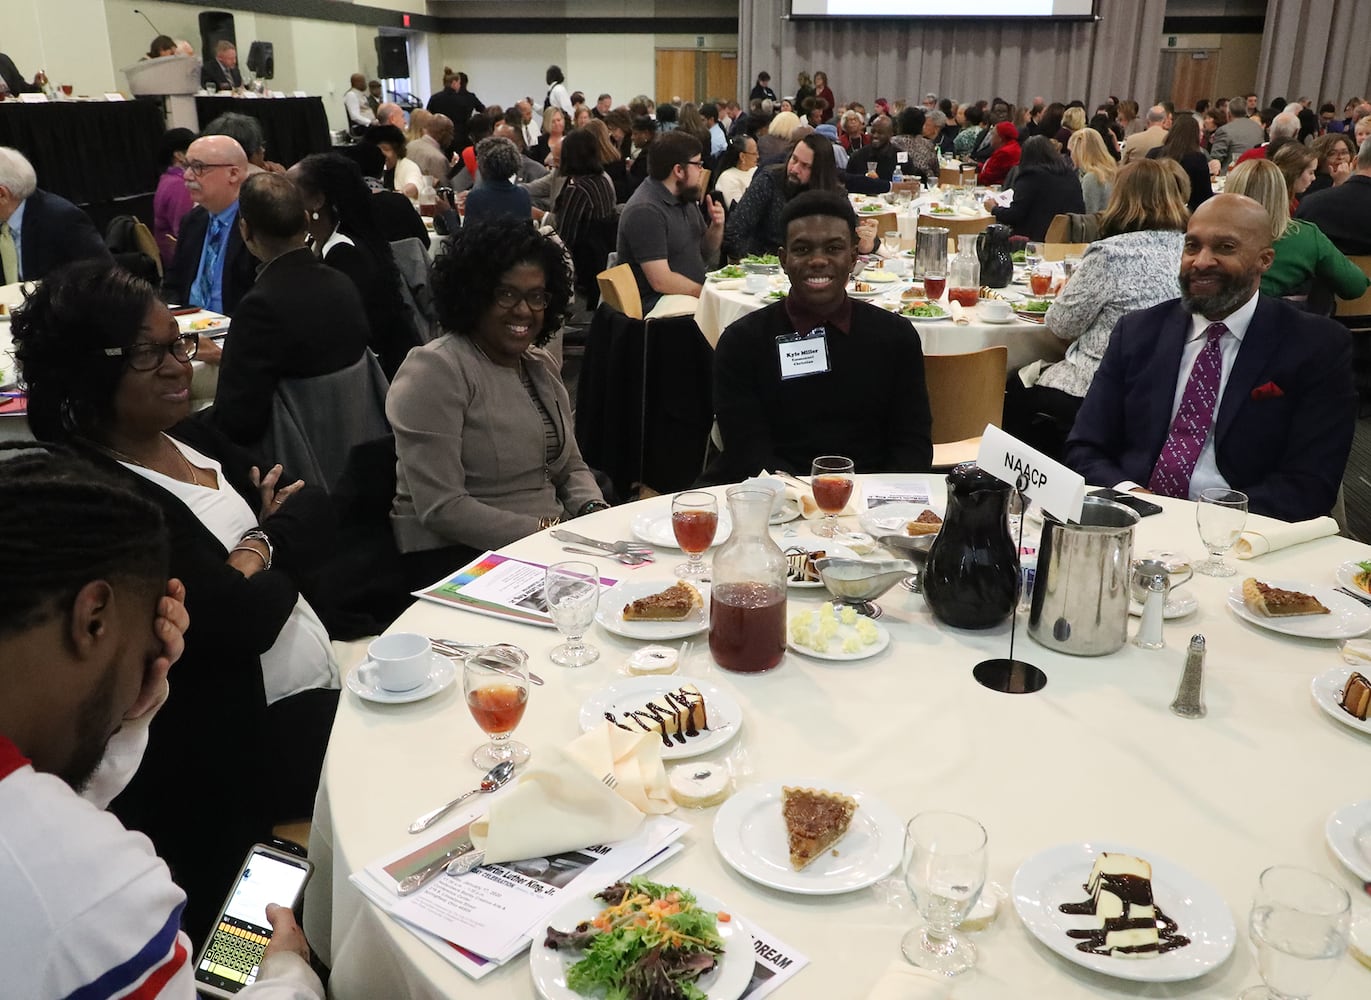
148 19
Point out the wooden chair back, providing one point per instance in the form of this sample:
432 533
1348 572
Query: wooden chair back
966 392
1060 251
1359 307
619 290
148 243
955 226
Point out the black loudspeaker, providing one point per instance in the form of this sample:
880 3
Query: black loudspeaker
392 57
262 60
215 25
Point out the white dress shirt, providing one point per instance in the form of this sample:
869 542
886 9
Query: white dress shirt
358 110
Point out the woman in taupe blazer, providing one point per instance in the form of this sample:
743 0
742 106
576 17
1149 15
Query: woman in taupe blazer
485 445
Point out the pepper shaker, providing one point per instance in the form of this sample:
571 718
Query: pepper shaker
1189 703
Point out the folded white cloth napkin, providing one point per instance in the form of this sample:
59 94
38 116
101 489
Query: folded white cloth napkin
1266 534
959 316
674 305
903 981
565 802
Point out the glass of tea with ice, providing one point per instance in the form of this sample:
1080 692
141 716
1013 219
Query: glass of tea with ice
495 680
694 520
831 482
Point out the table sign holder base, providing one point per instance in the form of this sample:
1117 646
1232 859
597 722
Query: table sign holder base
1008 675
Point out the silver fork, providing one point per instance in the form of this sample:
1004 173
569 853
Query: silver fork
618 548
627 558
461 650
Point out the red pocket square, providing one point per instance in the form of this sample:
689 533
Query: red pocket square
1269 390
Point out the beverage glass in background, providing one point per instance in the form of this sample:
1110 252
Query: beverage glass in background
694 521
1220 516
944 867
1069 264
890 243
66 90
1299 926
756 282
1032 256
495 680
572 590
831 483
935 284
1040 280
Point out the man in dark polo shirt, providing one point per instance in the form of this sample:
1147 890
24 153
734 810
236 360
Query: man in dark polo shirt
817 373
662 232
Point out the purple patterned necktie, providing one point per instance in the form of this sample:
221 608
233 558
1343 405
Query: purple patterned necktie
1194 419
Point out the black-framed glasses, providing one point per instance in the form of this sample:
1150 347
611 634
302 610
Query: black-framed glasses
200 167
145 357
509 298
694 163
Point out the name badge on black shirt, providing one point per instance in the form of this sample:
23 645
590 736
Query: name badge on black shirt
803 354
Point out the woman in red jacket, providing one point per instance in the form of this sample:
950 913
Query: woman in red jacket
1004 143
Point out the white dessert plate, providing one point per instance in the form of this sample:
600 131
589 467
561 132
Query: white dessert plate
723 713
835 645
1349 618
1349 837
749 832
790 510
655 529
873 293
823 545
362 683
610 613
1327 690
944 317
726 981
1347 577
1058 875
1177 606
890 518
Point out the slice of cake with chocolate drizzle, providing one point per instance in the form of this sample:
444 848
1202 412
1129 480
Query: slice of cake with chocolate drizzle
676 715
1129 924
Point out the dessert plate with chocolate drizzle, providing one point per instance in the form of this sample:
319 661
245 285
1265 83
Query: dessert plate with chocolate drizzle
655 703
1054 897
1327 689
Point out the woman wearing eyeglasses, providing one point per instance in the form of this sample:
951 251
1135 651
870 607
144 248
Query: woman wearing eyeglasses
484 441
736 169
241 740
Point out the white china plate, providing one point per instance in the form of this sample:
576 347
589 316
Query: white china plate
720 276
790 510
1058 875
726 981
655 529
825 545
749 832
362 683
610 613
875 293
835 645
1349 618
1327 690
890 518
1177 606
1349 837
996 322
724 714
928 319
1347 577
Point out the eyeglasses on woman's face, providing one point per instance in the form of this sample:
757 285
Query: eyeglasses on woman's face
509 298
145 357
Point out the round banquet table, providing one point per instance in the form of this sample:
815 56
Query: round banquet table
722 302
1095 755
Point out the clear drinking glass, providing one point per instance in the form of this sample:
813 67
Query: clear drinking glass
944 869
1220 516
572 590
1032 256
1299 925
831 482
694 521
495 680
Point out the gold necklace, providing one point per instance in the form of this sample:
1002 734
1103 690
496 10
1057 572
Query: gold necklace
194 473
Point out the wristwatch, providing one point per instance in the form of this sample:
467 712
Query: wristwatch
591 506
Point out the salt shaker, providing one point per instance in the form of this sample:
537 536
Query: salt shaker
1189 703
1151 585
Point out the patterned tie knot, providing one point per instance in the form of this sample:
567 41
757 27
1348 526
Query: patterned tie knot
1213 332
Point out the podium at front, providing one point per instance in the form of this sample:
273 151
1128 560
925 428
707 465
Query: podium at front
176 79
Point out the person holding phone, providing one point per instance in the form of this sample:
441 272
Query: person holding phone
91 627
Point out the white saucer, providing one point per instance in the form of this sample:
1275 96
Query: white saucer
365 687
997 322
1177 606
1349 837
790 510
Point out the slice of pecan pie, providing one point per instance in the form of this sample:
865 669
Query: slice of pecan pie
815 820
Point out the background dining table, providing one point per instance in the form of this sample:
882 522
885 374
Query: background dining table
1095 756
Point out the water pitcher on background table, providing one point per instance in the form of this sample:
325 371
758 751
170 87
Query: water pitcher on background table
747 603
930 250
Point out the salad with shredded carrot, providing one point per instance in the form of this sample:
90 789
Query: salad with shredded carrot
650 942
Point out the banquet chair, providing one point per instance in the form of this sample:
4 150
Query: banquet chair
619 290
1073 227
955 227
416 269
1059 251
965 393
1355 314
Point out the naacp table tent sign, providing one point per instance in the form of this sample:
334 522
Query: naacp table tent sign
1051 485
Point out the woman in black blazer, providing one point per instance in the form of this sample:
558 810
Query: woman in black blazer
1183 145
1045 184
108 372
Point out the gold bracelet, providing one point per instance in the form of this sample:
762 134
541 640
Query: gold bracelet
548 522
249 548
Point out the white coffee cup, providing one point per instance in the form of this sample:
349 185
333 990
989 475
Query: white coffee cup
994 310
756 282
773 486
401 661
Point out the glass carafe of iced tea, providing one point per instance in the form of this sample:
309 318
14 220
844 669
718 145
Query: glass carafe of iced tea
747 610
964 272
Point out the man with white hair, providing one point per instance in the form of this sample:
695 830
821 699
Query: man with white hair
1140 144
1235 137
39 231
222 71
1284 127
212 267
389 113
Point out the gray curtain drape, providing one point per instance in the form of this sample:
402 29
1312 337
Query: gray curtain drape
1319 49
1016 60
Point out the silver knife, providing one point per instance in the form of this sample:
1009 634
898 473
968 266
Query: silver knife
419 879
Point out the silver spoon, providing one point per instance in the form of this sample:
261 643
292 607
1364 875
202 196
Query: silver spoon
628 559
499 775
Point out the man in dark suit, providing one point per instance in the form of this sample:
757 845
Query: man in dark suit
1222 387
459 104
212 268
301 318
222 70
39 231
1344 212
14 80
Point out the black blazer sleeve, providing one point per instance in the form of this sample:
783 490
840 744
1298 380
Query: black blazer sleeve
248 373
190 241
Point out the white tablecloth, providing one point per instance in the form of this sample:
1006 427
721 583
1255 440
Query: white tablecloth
1026 341
1095 755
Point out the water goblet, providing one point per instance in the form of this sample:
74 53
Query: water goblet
495 680
831 482
1299 924
694 520
572 590
1220 516
944 869
1032 256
